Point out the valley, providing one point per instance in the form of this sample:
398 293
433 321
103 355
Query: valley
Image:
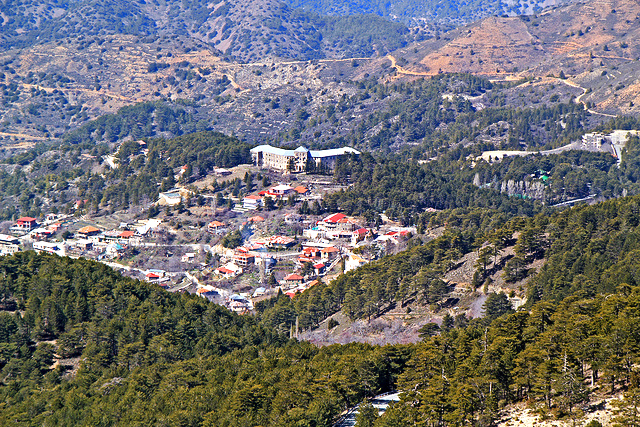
309 213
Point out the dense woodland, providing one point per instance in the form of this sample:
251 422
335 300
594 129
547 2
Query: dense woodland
60 178
147 356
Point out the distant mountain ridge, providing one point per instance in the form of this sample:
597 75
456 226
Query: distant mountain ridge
245 30
431 11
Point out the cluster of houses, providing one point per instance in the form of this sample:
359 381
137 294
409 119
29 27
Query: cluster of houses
338 226
113 243
99 244
29 227
278 192
240 303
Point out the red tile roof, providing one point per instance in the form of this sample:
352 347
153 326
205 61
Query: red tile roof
88 229
26 219
335 217
301 189
292 294
330 249
126 234
294 276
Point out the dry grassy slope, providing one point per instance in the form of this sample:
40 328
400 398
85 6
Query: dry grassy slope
582 39
120 66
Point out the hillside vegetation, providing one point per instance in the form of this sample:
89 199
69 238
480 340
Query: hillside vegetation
246 31
440 12
129 352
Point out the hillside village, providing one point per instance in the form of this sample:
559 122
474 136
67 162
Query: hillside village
267 242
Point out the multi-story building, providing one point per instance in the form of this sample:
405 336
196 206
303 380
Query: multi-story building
24 225
8 244
300 159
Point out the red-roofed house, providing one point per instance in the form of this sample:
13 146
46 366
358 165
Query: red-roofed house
229 270
89 231
256 218
333 219
152 277
24 224
127 234
301 190
292 293
358 235
327 254
311 252
225 272
215 227
280 191
293 280
279 242
319 268
243 259
346 224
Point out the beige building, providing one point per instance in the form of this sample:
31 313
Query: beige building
298 160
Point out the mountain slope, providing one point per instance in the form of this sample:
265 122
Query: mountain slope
431 11
246 30
594 44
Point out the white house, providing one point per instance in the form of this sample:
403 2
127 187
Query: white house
50 247
252 202
353 261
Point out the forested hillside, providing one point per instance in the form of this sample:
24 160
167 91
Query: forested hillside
129 352
146 356
587 251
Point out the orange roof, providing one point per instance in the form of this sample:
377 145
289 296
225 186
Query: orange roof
345 220
253 197
216 224
152 276
88 229
294 276
301 189
126 234
256 218
329 249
